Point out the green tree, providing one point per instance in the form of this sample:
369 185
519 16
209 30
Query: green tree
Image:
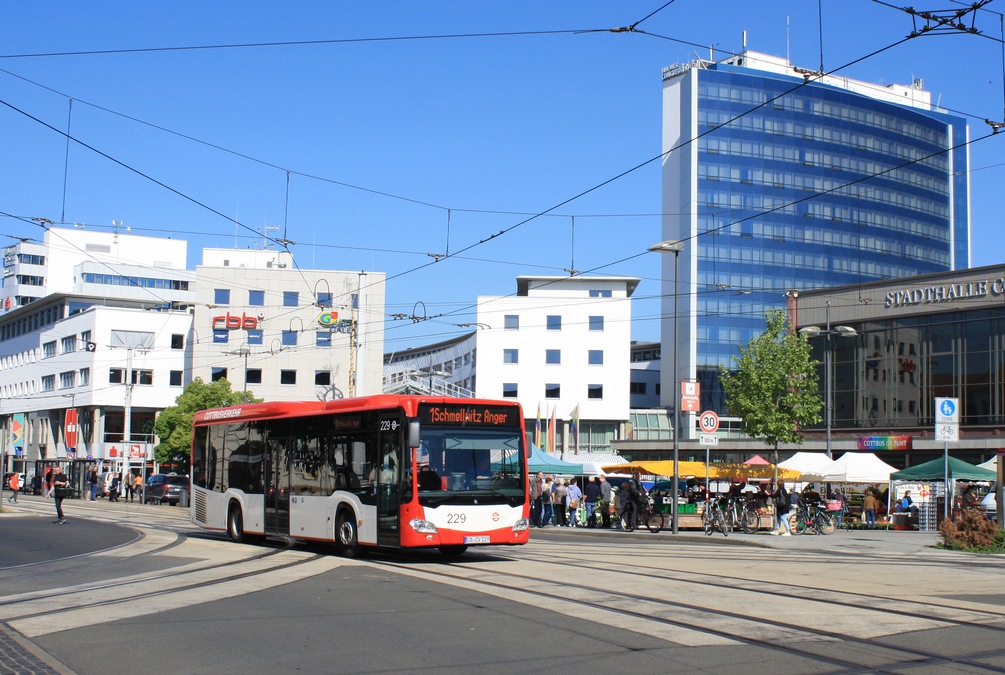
774 385
174 425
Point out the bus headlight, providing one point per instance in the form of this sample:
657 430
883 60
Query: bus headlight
521 525
423 526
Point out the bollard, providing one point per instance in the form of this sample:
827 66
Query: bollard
183 499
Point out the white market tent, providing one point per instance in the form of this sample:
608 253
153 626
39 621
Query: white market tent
593 461
859 467
812 465
990 464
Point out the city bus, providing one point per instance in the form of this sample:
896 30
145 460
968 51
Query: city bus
374 471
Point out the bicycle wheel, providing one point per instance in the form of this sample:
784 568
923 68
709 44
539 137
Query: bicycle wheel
824 524
720 521
749 521
799 525
628 519
708 520
653 521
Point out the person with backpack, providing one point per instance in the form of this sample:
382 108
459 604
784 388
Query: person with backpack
781 498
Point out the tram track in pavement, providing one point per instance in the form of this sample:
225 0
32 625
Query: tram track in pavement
244 569
854 652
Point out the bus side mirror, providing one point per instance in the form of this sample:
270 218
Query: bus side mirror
413 433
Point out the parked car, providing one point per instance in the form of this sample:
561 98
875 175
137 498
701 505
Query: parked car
167 488
989 505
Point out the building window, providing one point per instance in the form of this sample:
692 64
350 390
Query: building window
85 336
48 382
594 391
553 357
554 322
287 377
322 378
552 391
596 293
253 376
221 337
637 387
291 298
325 299
510 390
595 357
68 380
254 336
218 374
597 323
256 298
221 296
323 338
115 375
511 322
49 349
174 378
289 338
511 356
177 341
143 377
69 344
85 377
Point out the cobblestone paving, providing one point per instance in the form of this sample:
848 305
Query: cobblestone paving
20 657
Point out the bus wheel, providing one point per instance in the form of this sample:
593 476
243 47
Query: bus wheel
454 550
235 524
346 535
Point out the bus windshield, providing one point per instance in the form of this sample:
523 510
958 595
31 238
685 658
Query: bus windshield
455 461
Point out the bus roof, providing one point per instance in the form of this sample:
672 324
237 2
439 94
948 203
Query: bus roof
275 409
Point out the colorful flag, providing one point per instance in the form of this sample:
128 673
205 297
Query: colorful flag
551 433
574 428
537 427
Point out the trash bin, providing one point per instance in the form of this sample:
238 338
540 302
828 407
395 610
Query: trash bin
183 499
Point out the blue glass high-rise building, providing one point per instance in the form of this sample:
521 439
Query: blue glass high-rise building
775 183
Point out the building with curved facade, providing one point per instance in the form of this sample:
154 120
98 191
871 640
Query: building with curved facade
776 181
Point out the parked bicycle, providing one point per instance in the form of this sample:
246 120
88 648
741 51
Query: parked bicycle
810 517
632 518
713 518
741 513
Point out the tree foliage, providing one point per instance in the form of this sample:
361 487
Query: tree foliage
774 387
174 425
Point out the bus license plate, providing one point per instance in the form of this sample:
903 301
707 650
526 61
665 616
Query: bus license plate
481 539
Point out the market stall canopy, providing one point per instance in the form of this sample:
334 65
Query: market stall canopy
936 470
991 464
859 467
812 465
757 459
592 462
542 462
719 470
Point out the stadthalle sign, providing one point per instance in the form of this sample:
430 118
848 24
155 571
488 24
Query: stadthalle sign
952 292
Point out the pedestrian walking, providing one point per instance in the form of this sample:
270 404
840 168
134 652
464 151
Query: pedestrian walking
606 496
113 491
60 485
547 510
92 483
15 485
869 505
782 502
138 488
591 495
573 495
48 482
558 503
536 483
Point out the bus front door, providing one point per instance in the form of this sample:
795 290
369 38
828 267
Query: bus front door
277 498
392 478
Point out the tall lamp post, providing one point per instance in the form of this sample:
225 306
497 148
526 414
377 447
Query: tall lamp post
674 247
827 332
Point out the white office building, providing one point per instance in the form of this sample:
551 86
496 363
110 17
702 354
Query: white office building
283 333
560 346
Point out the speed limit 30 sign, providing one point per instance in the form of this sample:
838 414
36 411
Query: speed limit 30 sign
708 422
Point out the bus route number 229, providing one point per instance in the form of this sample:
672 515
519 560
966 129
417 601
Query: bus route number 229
456 518
389 425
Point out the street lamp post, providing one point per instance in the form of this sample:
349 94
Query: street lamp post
827 332
245 351
674 247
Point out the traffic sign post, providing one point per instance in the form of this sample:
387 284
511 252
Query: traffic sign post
947 428
708 422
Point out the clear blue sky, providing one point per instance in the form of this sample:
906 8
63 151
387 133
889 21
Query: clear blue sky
381 137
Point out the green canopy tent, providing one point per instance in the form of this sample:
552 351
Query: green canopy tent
542 462
936 470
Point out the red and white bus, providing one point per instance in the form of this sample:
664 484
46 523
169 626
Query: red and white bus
387 471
